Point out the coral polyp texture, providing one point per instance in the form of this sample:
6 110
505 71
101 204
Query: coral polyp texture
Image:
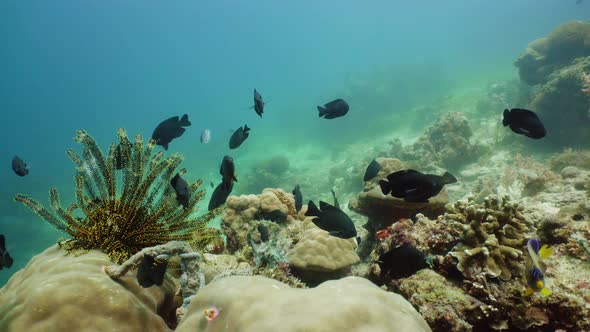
260 304
60 292
318 256
493 238
122 215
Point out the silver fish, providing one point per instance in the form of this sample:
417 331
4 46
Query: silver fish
205 136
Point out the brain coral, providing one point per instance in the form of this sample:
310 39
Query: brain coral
57 291
260 304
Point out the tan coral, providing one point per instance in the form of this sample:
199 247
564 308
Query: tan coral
264 305
320 255
494 234
242 210
57 291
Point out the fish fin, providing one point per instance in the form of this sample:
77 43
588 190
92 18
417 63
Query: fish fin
174 180
448 178
545 291
506 119
179 132
235 178
2 242
165 146
322 111
545 251
326 207
184 121
312 210
385 187
246 127
528 292
335 233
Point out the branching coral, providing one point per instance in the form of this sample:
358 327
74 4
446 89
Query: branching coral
494 233
123 221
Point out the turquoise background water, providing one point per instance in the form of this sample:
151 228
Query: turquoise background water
101 65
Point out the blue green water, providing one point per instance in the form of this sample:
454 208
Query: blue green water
101 65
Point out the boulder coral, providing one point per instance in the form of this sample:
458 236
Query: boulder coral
242 210
319 256
260 304
446 144
543 56
494 234
58 291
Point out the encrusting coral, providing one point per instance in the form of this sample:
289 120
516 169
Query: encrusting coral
494 233
123 221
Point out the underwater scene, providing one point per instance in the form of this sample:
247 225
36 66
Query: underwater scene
350 166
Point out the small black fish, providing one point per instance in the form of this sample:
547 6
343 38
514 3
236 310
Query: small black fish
219 196
180 186
151 271
332 220
277 216
402 262
19 166
264 234
211 184
5 259
170 129
336 204
524 122
414 186
298 198
333 109
372 170
239 136
258 103
228 173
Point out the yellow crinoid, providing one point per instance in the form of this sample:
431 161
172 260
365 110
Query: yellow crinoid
123 213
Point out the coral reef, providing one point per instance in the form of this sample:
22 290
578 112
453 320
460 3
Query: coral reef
558 64
443 305
570 157
446 144
260 304
123 221
267 173
242 210
190 280
319 256
494 234
62 292
543 56
585 78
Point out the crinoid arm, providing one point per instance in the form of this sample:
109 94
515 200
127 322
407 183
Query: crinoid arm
122 213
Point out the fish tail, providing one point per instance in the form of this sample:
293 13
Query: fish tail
184 121
506 119
312 210
246 127
545 251
322 111
449 178
385 187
